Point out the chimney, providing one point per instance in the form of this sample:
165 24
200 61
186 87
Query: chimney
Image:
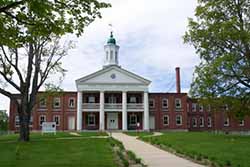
178 81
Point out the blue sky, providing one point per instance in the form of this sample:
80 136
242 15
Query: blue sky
149 34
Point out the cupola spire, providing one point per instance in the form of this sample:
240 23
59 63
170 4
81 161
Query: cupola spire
111 51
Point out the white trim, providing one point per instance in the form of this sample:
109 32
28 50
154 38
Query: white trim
130 118
153 102
242 122
194 107
74 102
164 101
177 99
201 122
43 105
94 121
201 108
43 120
55 101
54 116
167 117
180 120
226 122
209 122
194 122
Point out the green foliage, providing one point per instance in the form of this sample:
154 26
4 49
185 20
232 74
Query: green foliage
220 34
21 21
3 120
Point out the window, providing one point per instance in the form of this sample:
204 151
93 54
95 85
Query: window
42 103
194 106
56 119
17 121
132 119
194 122
151 103
91 120
42 119
209 108
132 99
111 55
226 121
56 102
165 120
242 122
178 120
201 108
177 103
31 120
209 122
71 102
91 99
116 56
112 99
164 103
201 122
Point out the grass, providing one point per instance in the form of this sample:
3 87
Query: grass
223 150
139 134
91 152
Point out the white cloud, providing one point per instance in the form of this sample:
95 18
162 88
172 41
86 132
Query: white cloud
150 37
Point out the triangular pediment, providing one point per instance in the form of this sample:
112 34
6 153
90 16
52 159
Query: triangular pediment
113 75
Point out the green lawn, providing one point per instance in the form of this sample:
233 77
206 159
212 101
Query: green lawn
44 151
218 148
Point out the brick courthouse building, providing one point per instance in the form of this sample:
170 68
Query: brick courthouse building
116 99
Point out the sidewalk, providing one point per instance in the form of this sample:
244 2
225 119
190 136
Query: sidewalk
151 155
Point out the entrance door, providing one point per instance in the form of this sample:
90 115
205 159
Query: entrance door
71 123
151 122
112 121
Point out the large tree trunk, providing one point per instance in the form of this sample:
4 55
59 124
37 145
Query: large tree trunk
24 127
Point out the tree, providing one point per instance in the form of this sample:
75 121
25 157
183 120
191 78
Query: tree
30 52
220 34
3 120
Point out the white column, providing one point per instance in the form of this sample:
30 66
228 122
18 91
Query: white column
146 112
124 111
101 122
79 110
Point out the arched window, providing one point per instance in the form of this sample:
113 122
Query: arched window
111 54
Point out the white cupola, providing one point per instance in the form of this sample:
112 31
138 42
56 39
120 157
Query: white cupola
111 52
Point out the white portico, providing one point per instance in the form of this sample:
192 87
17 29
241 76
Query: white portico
112 98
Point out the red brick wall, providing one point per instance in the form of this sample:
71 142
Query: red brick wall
158 111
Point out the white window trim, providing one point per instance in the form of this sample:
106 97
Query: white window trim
91 99
201 122
194 107
92 115
54 100
178 99
228 122
242 122
54 116
17 120
209 122
162 102
44 105
180 120
74 102
201 108
40 119
130 118
194 120
165 116
112 99
153 102
132 99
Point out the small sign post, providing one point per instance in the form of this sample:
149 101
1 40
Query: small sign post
49 127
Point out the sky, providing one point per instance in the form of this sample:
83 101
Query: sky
149 34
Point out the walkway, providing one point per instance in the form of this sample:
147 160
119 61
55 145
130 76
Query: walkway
151 155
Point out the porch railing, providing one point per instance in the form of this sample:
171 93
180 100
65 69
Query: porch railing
135 106
113 106
91 105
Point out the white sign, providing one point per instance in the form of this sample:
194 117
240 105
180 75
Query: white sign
49 127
